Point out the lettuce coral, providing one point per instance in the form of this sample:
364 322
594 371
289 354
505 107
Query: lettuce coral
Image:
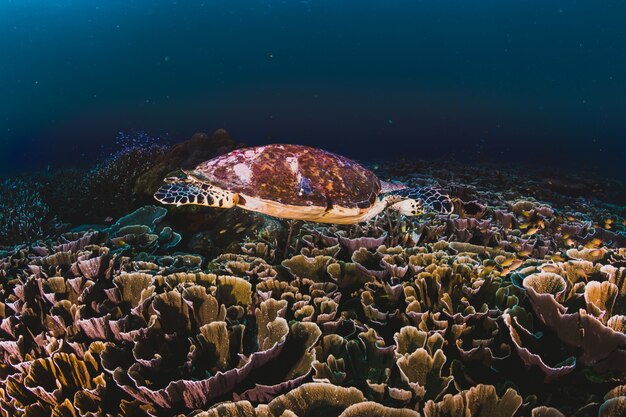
510 306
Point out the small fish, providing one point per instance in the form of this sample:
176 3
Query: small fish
507 262
593 243
597 253
516 264
550 268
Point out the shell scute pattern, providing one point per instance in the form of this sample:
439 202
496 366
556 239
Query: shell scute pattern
292 174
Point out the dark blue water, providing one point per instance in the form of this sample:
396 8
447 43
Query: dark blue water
522 81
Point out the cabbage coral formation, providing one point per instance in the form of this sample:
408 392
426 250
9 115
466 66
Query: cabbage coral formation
468 315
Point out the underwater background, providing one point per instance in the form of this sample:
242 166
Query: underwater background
486 278
527 82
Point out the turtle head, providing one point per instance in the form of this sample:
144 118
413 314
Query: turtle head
416 201
408 207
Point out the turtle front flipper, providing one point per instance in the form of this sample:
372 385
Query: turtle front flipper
184 191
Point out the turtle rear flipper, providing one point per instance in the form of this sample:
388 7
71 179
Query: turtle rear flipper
182 191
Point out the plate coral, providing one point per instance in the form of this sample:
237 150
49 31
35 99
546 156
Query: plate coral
514 305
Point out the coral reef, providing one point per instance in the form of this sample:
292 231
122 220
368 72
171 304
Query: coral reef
512 306
106 191
38 206
184 155
24 215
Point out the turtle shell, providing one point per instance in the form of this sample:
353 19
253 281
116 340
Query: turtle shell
292 174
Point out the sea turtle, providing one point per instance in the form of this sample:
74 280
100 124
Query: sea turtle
296 182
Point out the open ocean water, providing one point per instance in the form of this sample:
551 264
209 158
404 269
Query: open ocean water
518 81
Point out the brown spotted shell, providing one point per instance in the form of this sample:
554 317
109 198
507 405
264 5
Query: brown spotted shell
292 174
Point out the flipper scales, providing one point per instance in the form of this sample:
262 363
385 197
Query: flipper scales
183 191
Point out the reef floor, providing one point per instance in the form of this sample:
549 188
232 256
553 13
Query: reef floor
514 305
